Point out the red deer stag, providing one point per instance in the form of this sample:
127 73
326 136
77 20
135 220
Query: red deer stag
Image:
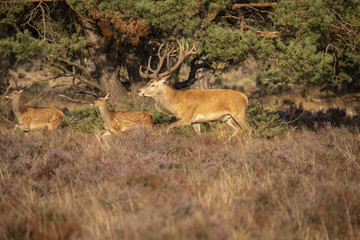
31 118
117 122
196 105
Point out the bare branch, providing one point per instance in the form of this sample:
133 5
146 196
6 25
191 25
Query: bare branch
72 99
11 24
43 18
29 1
77 76
248 5
263 34
7 90
37 97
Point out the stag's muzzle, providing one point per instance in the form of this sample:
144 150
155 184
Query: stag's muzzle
140 93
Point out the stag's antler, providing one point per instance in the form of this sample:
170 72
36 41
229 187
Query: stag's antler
184 51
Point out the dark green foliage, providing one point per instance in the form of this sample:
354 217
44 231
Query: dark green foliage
318 41
265 123
315 43
165 15
226 44
85 119
319 44
160 119
25 46
297 62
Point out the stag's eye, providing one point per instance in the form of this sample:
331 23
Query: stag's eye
152 85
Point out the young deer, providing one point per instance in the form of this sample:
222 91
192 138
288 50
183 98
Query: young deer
31 118
117 122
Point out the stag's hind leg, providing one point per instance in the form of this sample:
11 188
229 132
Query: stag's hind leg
234 125
239 122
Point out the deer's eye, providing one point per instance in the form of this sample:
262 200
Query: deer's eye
152 85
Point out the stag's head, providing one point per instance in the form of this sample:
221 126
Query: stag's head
157 80
153 88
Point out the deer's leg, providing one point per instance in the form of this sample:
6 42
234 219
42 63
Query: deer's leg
106 133
241 120
23 126
196 127
54 123
51 127
180 122
150 128
234 125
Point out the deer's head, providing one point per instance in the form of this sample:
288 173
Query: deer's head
98 102
157 80
14 94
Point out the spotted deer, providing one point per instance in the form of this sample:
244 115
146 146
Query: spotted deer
30 118
118 122
196 105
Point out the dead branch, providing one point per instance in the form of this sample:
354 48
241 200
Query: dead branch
272 35
72 99
37 97
262 11
29 1
33 14
77 76
87 93
43 18
11 24
248 5
7 90
84 69
79 14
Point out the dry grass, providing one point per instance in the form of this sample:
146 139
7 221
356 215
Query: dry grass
302 185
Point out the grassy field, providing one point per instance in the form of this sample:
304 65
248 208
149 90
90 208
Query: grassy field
300 184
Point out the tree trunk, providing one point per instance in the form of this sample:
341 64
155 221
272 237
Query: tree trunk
132 63
106 61
109 80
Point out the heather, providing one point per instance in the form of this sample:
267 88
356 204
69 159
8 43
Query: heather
299 184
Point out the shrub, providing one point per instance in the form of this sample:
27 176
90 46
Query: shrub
85 119
265 123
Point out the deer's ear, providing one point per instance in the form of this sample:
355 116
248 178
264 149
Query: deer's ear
107 96
164 79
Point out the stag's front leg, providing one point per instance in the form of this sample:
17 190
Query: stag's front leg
178 123
196 127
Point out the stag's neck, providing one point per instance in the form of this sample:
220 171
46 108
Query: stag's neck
167 101
16 107
105 113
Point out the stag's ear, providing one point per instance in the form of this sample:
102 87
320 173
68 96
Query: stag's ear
107 96
164 79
